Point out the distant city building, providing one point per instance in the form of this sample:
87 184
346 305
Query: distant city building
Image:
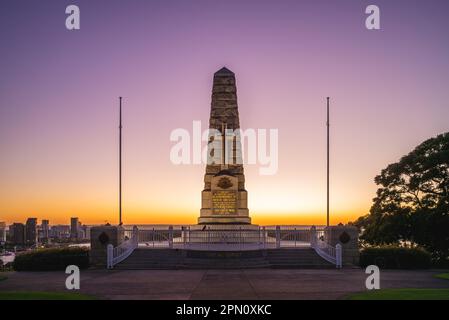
31 231
2 232
60 232
86 232
44 231
17 233
74 227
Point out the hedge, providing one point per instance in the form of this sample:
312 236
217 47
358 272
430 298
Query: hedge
52 259
395 258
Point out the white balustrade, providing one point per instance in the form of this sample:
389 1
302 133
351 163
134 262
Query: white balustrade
339 256
225 239
324 250
123 250
219 238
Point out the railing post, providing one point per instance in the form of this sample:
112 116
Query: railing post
278 236
183 236
153 235
135 236
313 238
295 235
338 256
109 256
170 237
188 236
241 238
264 238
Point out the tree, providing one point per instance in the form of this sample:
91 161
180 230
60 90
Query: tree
412 203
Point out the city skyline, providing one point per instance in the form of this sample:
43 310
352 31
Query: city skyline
59 110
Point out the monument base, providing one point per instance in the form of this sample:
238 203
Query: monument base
224 226
224 220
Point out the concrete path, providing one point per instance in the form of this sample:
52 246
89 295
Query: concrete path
220 284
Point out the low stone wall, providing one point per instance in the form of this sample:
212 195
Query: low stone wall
100 238
348 237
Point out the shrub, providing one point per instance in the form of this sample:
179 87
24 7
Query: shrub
52 259
440 263
395 258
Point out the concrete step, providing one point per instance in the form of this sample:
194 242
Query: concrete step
144 258
221 264
302 266
296 258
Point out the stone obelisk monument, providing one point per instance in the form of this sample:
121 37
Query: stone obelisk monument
224 198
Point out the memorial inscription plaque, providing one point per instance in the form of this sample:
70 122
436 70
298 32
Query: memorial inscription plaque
224 202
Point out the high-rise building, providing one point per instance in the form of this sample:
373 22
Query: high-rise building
2 232
17 233
31 231
44 230
60 232
86 232
74 225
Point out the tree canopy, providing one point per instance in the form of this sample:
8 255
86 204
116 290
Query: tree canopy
412 202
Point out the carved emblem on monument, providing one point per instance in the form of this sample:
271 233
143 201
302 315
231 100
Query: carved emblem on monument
224 183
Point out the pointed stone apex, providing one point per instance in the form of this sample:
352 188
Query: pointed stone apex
224 72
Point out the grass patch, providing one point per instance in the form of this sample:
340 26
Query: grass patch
442 276
3 277
402 294
43 296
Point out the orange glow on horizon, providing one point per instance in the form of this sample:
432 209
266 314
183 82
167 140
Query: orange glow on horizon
177 218
172 195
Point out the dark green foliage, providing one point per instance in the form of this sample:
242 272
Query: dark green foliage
52 259
395 258
412 202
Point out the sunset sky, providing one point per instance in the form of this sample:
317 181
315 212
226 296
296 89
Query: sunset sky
59 102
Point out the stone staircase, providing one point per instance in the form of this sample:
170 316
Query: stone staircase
142 259
225 260
304 258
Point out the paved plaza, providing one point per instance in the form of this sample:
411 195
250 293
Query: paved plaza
220 284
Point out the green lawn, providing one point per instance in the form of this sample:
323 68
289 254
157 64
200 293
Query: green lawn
43 296
402 294
443 276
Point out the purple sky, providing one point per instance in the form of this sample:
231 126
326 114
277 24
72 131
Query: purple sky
59 89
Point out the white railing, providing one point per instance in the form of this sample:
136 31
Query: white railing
122 251
221 239
218 238
324 250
